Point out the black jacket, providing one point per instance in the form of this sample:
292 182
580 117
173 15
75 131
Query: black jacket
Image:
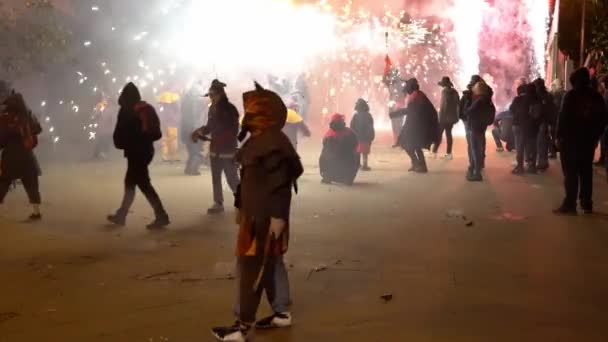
363 126
582 119
223 126
138 125
480 113
450 105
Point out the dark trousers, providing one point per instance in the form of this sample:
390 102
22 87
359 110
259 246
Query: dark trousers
577 166
249 298
497 134
195 156
526 145
30 183
543 143
476 143
139 176
228 167
448 136
417 157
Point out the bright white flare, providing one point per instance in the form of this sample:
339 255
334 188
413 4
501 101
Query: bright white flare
256 35
467 16
538 19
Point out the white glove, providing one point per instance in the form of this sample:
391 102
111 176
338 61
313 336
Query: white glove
277 227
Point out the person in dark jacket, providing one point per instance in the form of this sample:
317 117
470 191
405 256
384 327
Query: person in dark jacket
193 112
503 131
137 128
421 125
580 125
448 115
557 92
548 121
19 130
339 161
270 169
465 101
479 114
223 126
362 124
526 122
603 160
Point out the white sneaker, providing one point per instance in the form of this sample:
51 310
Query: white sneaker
236 333
278 320
448 156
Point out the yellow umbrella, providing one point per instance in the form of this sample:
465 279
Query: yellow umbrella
293 117
168 98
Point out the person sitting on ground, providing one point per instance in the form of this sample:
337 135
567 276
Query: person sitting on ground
503 131
339 161
19 130
363 126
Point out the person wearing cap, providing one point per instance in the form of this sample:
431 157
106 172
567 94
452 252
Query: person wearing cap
339 161
421 126
270 167
362 124
19 130
581 123
223 127
448 115
137 128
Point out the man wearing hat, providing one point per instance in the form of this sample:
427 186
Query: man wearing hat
223 126
270 168
448 115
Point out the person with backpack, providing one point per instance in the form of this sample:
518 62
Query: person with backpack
548 120
448 115
137 128
19 130
362 124
479 114
223 127
526 121
270 168
581 123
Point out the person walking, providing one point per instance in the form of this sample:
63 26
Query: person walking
19 130
223 127
581 123
270 169
448 115
362 124
137 128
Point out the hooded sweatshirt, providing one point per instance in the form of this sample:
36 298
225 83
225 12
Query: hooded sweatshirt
138 125
583 115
